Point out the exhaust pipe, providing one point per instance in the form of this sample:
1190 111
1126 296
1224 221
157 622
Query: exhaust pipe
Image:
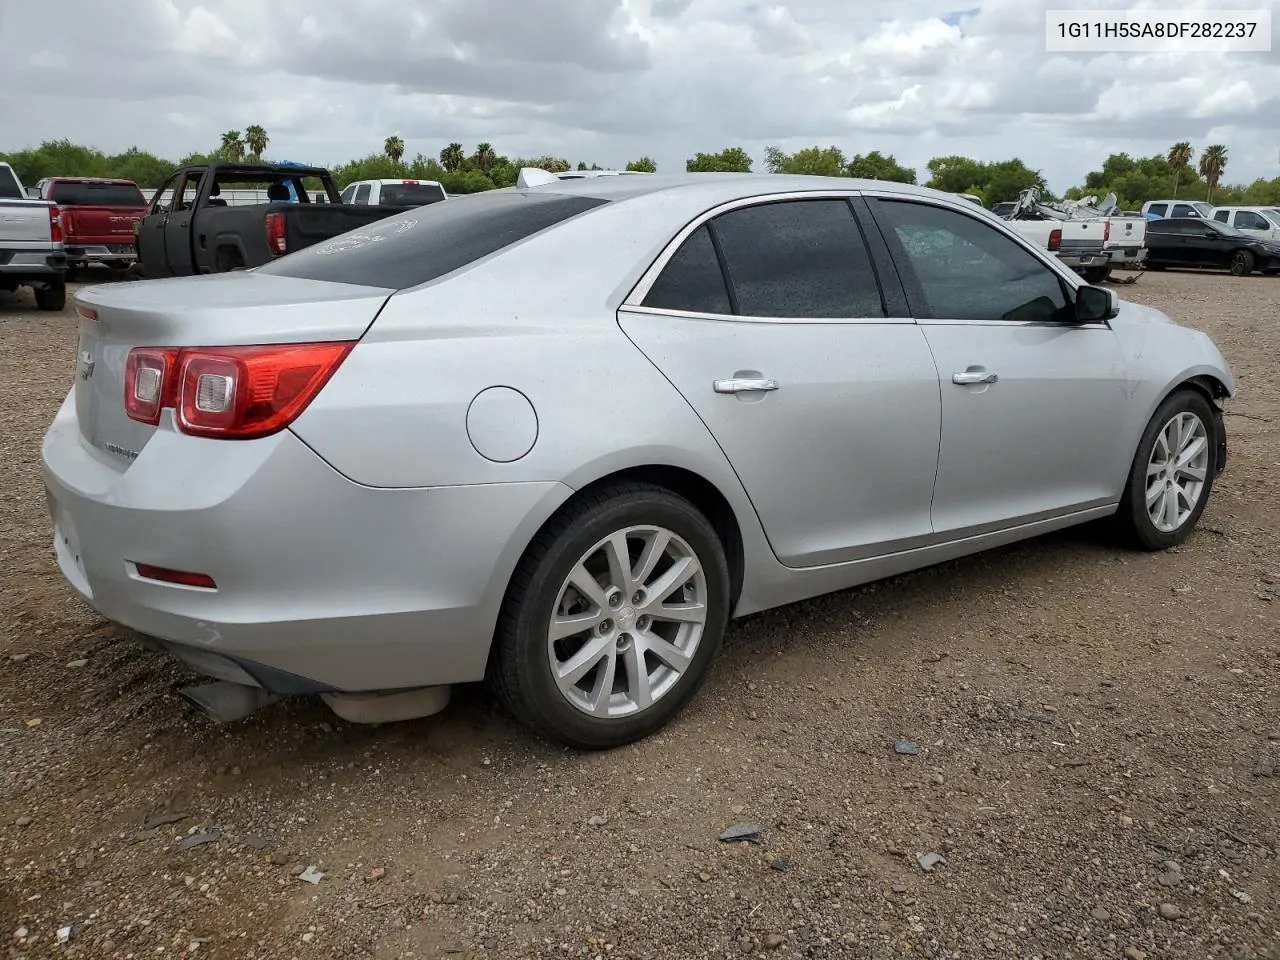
226 702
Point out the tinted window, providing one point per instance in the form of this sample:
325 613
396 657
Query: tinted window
1163 226
410 194
1158 209
349 194
1184 210
967 270
97 194
1220 215
800 258
692 279
9 185
362 193
427 242
1248 220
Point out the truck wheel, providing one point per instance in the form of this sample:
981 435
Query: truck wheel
1095 274
1241 263
52 297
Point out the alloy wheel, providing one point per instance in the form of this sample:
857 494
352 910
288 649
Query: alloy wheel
1176 471
627 621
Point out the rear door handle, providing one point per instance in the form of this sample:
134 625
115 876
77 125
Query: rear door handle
974 376
744 385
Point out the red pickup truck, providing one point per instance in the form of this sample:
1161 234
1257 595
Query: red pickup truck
98 219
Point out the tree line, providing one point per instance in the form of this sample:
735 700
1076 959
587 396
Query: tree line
1134 180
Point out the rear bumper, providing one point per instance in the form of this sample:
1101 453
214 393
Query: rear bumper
1128 256
37 264
1082 259
101 252
322 584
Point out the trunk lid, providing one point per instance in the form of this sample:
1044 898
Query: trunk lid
227 309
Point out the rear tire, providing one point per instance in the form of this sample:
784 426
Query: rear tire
1161 506
1241 263
53 297
635 661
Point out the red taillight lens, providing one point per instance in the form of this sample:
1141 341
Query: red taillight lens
233 392
180 577
1055 239
55 224
1106 230
276 242
149 383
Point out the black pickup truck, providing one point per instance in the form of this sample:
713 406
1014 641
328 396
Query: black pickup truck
204 218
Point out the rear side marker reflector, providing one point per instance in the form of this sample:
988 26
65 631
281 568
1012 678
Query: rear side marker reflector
86 313
182 578
237 393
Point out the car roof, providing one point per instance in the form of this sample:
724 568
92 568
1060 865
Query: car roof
711 189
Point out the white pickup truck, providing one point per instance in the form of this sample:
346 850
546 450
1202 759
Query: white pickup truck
1087 240
394 193
31 250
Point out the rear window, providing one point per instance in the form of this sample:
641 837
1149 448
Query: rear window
410 194
422 244
97 195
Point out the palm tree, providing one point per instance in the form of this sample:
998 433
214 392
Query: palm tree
485 156
393 147
1212 162
1180 155
451 157
257 139
232 145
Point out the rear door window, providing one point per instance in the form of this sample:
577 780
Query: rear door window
798 258
424 243
1221 215
362 193
1248 220
1158 209
692 279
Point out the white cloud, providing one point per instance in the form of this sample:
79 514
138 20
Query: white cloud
609 80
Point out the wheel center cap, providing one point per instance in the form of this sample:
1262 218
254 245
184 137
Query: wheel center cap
625 617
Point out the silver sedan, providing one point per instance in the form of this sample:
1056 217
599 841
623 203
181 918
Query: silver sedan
556 436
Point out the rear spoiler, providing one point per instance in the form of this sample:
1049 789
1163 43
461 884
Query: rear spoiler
535 177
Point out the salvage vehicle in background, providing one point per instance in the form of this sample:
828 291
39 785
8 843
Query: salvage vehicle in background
31 250
1200 242
394 193
98 219
1095 235
189 229
372 470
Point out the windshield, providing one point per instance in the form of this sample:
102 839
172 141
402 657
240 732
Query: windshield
410 194
1204 209
71 194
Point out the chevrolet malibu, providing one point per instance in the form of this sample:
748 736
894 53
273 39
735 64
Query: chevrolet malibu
557 436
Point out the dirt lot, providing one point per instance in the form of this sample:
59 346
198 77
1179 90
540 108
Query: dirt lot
1094 731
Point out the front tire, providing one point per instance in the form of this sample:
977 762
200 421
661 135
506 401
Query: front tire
613 617
1172 474
1241 263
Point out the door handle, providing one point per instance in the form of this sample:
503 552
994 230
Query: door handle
744 385
974 376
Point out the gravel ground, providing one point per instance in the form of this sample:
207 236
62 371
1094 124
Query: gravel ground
1095 731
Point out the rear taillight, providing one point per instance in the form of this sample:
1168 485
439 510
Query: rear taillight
1106 230
1055 239
55 224
233 392
276 242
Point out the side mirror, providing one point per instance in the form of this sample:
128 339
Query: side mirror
1095 304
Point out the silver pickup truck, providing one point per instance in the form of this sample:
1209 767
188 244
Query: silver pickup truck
31 251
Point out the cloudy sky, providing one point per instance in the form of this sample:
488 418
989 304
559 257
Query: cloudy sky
609 80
